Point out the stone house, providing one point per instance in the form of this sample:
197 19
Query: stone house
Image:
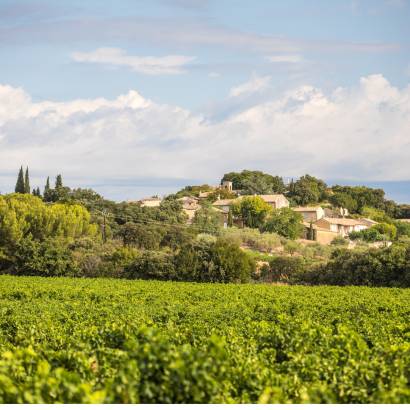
342 226
150 202
190 206
310 214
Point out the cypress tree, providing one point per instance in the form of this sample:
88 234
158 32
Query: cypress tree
47 186
59 181
36 191
20 189
27 182
230 219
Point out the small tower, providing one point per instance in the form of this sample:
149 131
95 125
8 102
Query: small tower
227 185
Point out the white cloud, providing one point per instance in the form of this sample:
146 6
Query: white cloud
254 85
172 64
285 58
358 132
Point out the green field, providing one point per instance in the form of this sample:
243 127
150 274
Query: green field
107 340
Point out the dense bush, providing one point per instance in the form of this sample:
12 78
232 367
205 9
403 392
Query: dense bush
284 268
50 257
221 261
284 222
375 267
377 233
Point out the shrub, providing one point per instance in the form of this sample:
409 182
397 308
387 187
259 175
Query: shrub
151 265
50 257
283 268
284 222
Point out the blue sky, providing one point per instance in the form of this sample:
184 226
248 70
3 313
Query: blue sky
204 71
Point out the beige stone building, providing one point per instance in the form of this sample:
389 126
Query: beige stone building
149 202
310 214
277 201
190 206
342 226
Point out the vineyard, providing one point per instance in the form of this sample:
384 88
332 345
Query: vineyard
116 341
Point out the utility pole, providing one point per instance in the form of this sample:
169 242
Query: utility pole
104 214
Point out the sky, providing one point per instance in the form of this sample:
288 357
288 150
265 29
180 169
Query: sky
135 98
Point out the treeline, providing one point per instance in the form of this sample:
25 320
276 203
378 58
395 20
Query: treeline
387 267
311 190
76 232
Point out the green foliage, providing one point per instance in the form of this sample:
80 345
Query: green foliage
193 190
252 210
27 189
344 200
114 341
221 193
220 261
375 267
20 188
362 196
141 235
152 265
263 242
50 257
23 215
376 233
403 228
377 215
339 241
255 182
307 189
207 219
284 268
285 222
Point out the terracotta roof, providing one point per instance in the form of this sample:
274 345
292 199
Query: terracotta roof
272 198
307 209
368 221
343 221
149 199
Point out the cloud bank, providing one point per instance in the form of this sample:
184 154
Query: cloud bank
360 132
117 57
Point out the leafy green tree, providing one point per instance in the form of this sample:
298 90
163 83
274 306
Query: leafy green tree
50 257
142 236
27 189
59 182
230 218
344 200
20 188
47 186
308 189
253 210
255 182
364 196
207 220
28 216
284 222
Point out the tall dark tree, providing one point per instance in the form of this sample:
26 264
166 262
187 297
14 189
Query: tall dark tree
59 181
20 188
27 182
47 186
36 191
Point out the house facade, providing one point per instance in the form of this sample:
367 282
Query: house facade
310 214
342 226
190 206
150 202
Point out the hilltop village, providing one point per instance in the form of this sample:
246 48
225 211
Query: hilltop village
322 222
252 227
